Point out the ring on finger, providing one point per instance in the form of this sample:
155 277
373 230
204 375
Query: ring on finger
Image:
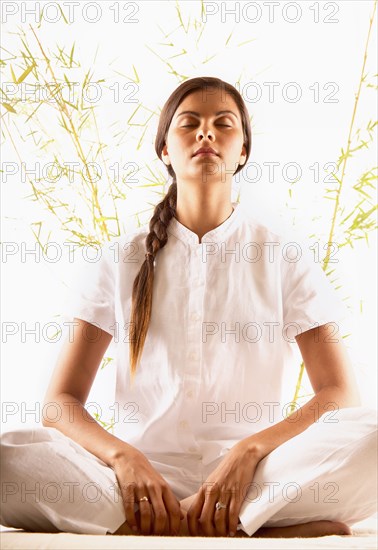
142 499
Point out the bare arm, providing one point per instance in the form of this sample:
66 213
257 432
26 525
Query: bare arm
331 375
69 388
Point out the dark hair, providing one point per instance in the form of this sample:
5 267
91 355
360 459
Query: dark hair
166 209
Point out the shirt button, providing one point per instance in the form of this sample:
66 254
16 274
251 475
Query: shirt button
193 356
183 424
195 316
189 394
192 449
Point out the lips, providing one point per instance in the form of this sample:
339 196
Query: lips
205 150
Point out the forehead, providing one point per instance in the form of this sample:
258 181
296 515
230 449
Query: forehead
208 102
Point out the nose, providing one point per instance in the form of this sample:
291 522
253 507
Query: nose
208 133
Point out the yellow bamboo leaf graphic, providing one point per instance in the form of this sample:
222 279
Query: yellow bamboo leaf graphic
9 108
25 73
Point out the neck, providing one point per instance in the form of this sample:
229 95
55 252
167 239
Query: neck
201 214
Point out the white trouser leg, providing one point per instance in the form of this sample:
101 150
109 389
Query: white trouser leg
327 472
49 483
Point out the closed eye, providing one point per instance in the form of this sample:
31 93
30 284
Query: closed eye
189 125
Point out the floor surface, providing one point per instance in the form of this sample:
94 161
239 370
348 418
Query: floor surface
364 537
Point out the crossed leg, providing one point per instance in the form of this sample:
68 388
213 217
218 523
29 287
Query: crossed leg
335 452
325 455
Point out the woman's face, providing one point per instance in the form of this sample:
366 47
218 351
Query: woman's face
222 131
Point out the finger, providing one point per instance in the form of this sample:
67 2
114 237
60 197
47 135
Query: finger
160 514
206 520
128 498
194 513
221 516
145 509
175 514
233 516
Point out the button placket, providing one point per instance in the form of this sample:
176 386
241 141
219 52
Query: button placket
192 369
198 270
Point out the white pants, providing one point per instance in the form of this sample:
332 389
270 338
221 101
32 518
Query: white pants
49 483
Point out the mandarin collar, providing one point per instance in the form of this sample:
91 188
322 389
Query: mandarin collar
217 234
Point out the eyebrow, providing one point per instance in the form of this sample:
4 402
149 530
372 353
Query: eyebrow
197 114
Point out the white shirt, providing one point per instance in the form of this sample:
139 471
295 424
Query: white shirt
223 314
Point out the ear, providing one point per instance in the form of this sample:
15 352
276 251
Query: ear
243 156
165 155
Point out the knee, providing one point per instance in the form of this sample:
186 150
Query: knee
369 444
13 445
10 442
19 456
369 417
364 453
366 417
368 428
18 447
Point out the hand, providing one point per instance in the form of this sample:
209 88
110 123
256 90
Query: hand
137 478
228 483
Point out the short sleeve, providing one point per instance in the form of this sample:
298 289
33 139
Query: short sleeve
93 296
309 299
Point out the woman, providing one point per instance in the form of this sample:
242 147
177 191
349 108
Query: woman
207 304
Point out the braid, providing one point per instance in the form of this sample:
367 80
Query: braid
143 283
163 213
